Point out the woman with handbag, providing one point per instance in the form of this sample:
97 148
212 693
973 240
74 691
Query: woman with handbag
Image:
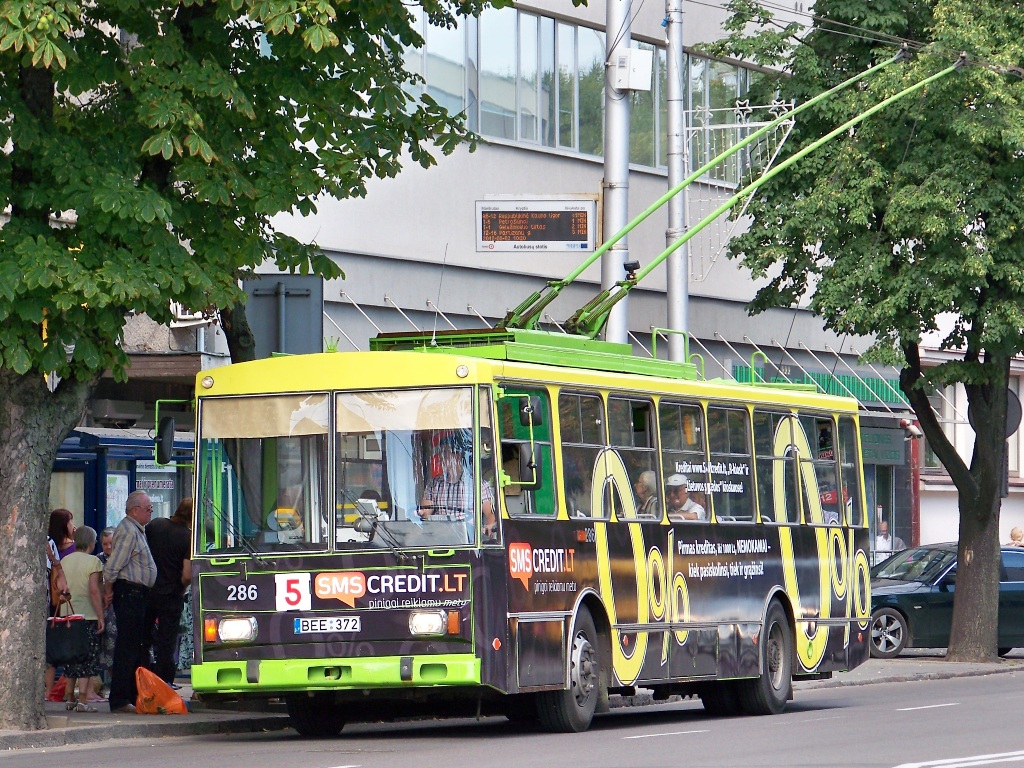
56 583
84 572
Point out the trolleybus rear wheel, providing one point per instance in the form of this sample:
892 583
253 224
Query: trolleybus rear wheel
721 698
314 716
571 711
768 694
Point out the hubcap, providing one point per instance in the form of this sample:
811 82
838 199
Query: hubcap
583 672
886 633
773 654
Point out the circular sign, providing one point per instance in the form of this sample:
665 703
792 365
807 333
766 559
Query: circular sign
1013 413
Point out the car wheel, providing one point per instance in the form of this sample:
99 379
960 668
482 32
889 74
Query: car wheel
1004 651
889 633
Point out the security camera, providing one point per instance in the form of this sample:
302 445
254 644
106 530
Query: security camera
913 431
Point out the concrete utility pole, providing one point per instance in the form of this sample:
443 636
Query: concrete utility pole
616 162
678 293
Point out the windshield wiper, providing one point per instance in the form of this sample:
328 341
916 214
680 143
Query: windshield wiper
209 504
371 524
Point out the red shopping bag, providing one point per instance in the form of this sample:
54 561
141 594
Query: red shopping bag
56 692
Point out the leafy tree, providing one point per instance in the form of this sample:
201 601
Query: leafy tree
147 145
910 225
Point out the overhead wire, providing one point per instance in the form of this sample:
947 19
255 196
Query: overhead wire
870 36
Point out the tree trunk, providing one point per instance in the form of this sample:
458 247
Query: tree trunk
974 634
33 422
238 333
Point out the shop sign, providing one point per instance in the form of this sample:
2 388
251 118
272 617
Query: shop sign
883 446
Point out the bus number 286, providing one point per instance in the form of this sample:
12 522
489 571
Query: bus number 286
242 592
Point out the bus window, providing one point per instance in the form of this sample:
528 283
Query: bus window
261 467
819 472
631 427
430 488
849 456
581 427
684 458
776 467
530 486
732 495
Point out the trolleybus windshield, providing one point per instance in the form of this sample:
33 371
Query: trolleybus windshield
405 472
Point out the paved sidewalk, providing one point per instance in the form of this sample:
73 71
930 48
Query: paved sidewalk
67 728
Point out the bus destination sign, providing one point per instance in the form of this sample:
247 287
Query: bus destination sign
536 225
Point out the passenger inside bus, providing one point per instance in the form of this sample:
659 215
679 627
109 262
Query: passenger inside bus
680 505
646 487
515 499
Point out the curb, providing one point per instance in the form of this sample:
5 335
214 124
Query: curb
912 677
182 726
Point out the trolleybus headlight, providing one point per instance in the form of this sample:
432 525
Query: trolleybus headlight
427 622
237 630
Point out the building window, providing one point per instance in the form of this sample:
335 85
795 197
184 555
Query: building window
590 66
498 46
643 121
523 77
567 85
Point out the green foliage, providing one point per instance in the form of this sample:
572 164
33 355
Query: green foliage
152 143
911 224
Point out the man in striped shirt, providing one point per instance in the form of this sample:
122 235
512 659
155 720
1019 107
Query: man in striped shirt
129 573
450 495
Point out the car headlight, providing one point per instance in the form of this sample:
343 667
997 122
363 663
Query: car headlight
237 630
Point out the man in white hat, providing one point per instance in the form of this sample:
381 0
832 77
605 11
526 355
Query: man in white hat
680 505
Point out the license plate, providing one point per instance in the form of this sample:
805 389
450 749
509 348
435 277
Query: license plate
323 624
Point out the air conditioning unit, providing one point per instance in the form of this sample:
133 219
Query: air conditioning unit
117 412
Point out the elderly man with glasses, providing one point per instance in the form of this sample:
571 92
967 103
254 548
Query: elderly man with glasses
127 577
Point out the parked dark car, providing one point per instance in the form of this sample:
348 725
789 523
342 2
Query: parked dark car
912 600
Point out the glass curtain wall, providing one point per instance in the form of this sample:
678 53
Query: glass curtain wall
530 79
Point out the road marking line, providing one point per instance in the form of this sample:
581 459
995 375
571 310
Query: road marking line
930 706
669 733
968 762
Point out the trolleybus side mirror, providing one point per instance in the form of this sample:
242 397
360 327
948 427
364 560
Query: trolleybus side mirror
530 412
165 440
529 470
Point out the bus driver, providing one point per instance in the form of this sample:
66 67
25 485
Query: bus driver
450 495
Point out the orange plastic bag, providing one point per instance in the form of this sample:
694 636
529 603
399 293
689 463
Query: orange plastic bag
56 692
155 696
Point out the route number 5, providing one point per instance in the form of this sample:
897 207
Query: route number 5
293 592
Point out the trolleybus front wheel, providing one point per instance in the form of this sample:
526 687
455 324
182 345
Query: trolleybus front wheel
314 716
572 710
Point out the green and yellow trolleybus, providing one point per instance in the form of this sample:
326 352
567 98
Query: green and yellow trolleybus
519 522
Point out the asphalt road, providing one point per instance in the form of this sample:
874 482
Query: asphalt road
966 721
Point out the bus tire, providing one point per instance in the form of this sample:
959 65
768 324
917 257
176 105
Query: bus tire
521 708
768 693
571 711
720 699
316 716
889 633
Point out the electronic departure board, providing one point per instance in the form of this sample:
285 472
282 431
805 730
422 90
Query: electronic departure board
536 225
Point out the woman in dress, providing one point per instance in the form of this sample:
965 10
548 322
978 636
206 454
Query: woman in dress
84 573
